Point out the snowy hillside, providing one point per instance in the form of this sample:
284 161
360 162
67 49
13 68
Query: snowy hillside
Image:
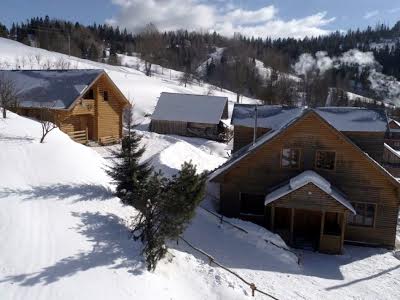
141 89
64 236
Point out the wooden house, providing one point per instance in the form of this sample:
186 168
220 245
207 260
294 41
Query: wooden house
85 104
190 115
393 136
314 178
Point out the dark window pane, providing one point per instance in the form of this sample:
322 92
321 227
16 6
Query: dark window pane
365 215
105 96
252 204
325 160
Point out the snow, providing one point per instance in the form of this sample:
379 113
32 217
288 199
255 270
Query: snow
268 116
213 57
355 118
342 118
301 180
266 72
57 89
64 236
395 152
189 108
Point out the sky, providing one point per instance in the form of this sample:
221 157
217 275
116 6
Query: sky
261 18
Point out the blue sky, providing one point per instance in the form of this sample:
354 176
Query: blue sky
257 17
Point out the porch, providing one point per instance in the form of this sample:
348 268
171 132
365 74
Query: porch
308 213
315 230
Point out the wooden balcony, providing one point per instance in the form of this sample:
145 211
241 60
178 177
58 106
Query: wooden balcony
85 107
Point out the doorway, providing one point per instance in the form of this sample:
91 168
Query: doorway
307 229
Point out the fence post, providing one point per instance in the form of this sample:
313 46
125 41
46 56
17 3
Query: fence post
87 136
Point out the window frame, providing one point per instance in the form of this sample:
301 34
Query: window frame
354 204
299 162
250 214
105 93
316 156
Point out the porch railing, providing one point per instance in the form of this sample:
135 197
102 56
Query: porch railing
80 136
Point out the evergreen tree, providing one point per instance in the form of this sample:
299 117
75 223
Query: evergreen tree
128 173
170 206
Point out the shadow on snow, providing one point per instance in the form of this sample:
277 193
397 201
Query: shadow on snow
78 192
112 248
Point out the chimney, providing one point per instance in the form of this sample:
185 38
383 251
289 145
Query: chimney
255 125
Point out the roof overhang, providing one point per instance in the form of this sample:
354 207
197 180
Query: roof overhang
303 179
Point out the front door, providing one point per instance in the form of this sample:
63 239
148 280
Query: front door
307 229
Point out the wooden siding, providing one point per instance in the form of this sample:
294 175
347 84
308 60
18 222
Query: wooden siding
369 142
242 136
108 113
359 179
310 197
169 127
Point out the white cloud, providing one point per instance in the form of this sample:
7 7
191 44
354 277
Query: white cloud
371 14
394 10
223 17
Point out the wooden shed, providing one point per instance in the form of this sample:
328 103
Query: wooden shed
313 180
190 115
85 104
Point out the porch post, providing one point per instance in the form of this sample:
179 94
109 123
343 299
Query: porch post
272 217
292 212
322 228
344 215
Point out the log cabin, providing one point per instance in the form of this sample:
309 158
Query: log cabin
313 177
85 104
190 115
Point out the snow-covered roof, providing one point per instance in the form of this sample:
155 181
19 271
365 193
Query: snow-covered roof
305 178
190 108
342 118
355 118
268 116
393 151
57 89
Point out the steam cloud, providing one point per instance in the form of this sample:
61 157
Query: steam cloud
385 86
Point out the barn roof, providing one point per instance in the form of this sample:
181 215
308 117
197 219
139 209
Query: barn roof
189 108
342 118
57 89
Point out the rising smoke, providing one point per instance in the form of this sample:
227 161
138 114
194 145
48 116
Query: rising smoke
387 87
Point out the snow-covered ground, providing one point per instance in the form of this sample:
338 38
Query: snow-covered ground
64 236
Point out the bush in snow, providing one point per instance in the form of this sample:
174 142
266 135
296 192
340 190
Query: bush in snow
127 172
8 96
170 206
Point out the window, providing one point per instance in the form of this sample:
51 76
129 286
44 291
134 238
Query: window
105 96
290 158
89 94
365 215
325 160
252 204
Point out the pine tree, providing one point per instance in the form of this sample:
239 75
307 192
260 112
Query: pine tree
170 206
128 173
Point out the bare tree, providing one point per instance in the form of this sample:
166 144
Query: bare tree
150 46
8 95
46 120
186 78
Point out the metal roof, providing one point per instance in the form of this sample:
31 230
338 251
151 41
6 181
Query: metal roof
189 108
56 89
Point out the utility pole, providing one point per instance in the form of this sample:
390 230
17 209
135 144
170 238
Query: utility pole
255 124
